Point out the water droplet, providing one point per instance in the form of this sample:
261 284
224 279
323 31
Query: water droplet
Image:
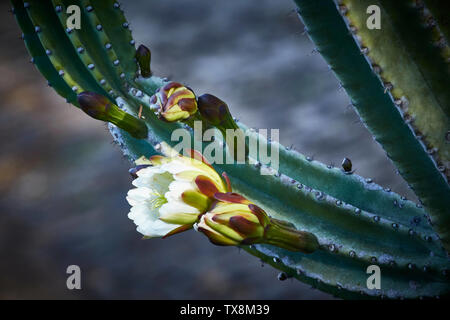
69 30
357 210
91 66
61 72
122 75
132 42
103 82
125 25
116 62
368 180
319 195
338 202
58 9
387 189
376 218
37 29
74 88
80 49
395 226
309 158
332 248
48 52
300 186
89 8
276 260
395 203
411 266
282 276
352 254
116 5
411 232
99 27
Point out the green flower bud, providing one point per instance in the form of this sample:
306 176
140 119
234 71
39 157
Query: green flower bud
143 57
99 107
234 220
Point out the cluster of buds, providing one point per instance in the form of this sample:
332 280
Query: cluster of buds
177 193
174 102
101 108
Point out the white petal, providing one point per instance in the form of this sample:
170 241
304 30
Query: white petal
139 195
156 228
176 189
176 207
176 166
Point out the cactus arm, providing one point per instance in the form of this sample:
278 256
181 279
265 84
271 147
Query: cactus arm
337 45
39 57
411 61
117 29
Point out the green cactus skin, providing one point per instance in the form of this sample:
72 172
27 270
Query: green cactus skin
336 43
39 57
352 233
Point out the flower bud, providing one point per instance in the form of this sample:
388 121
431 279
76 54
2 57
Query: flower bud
99 107
215 111
234 220
143 57
175 102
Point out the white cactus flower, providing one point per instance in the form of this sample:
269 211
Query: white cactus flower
172 193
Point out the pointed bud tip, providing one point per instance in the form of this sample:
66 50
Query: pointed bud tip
94 104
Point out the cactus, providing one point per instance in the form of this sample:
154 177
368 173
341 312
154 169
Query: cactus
397 89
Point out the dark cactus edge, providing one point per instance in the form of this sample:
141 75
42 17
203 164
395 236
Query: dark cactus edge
357 222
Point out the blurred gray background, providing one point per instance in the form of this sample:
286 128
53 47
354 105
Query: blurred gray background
63 184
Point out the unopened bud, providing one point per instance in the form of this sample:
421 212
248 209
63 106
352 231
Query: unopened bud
99 107
234 220
216 112
175 102
143 57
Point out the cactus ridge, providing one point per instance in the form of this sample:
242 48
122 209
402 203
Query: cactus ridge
89 44
59 48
